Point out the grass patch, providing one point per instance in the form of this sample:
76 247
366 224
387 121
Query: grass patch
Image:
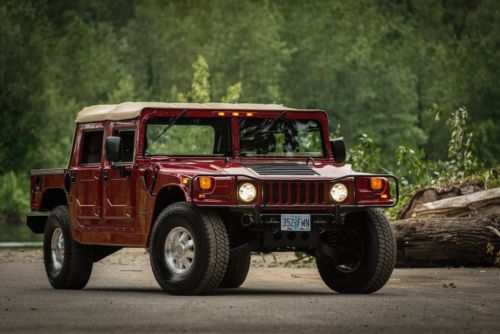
18 233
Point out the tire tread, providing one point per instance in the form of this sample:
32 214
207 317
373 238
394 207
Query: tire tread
217 253
380 268
80 257
237 271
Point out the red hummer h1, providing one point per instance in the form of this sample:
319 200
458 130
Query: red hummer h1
201 186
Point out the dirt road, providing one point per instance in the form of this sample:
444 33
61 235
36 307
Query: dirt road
123 296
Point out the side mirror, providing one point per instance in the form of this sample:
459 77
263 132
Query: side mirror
113 148
338 149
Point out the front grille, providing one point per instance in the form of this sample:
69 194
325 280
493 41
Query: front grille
295 193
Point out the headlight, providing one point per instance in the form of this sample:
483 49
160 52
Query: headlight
338 192
247 192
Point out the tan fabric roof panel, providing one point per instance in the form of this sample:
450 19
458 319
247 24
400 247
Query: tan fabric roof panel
130 110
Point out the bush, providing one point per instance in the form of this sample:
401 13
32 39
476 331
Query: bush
415 171
14 198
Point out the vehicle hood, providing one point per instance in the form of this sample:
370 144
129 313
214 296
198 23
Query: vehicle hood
270 170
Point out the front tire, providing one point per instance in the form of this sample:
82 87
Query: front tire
366 251
189 250
68 264
237 271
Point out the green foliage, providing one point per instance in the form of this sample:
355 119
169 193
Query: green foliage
415 164
377 67
124 91
461 150
462 159
233 93
200 88
18 233
14 198
416 171
366 155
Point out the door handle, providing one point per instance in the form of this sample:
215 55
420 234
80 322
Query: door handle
106 175
72 175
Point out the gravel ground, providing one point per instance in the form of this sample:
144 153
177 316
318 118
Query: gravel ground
123 296
136 256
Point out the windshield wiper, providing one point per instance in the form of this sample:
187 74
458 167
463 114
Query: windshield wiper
169 125
273 122
266 127
280 115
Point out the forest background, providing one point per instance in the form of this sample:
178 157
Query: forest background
412 86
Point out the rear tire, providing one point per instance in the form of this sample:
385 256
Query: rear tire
189 250
237 271
367 254
68 264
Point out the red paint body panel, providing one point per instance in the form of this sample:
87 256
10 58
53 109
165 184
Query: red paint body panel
109 207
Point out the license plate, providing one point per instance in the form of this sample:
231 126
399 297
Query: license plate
295 222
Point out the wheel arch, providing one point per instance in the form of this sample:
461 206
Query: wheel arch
167 195
51 198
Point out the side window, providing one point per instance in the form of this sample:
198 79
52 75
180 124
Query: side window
92 147
127 137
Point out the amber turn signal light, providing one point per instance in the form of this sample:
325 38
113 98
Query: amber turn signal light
375 183
205 183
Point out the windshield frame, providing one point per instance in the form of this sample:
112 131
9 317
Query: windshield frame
288 116
172 114
317 115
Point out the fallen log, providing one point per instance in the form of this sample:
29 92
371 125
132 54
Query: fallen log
448 241
487 201
424 196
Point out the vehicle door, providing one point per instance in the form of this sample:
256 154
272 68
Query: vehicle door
119 189
86 174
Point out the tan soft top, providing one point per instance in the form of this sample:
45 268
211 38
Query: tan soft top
130 110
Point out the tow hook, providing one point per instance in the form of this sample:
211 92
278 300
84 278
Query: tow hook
247 219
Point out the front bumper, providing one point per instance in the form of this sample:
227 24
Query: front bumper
295 193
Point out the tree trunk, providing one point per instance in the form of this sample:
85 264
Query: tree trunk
448 241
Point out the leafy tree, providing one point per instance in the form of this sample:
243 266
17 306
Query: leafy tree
381 69
22 104
13 199
125 90
200 87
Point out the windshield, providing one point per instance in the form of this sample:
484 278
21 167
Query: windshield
194 136
280 138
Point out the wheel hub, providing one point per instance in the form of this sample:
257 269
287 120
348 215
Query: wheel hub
179 250
57 250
